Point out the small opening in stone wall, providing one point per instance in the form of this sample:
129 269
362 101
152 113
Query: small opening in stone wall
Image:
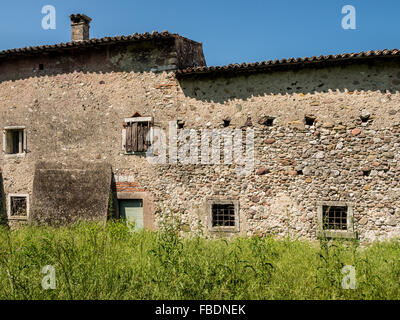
309 120
300 172
18 207
366 173
269 122
180 124
41 66
227 123
365 116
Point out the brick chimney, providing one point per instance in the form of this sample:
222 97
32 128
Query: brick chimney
80 24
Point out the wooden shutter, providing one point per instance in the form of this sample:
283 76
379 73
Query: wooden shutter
136 137
128 138
140 147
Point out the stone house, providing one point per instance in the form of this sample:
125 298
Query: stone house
81 121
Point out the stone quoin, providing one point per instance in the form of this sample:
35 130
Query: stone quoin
78 120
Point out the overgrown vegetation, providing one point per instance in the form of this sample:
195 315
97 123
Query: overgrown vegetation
97 262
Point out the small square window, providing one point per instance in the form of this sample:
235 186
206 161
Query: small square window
14 140
335 219
18 206
224 215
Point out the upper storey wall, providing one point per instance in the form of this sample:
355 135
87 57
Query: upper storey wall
336 94
137 56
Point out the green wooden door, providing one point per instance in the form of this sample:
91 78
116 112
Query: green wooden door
132 211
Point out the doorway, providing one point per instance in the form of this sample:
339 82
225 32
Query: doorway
132 211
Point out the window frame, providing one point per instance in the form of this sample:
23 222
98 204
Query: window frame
150 121
350 233
24 141
230 229
17 195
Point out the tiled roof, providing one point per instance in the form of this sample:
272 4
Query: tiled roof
265 65
89 43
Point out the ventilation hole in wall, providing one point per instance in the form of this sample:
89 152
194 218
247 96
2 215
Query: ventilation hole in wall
41 66
309 120
300 172
366 173
180 124
227 123
365 119
267 121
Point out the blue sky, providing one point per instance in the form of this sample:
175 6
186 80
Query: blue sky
231 31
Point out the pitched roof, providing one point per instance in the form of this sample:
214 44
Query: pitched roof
89 43
291 62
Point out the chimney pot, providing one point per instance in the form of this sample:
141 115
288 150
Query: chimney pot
80 24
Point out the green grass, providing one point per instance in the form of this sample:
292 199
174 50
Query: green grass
97 262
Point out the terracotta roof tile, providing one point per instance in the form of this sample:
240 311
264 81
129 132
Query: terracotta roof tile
88 43
265 65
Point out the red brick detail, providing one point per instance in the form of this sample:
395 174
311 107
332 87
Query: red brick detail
128 187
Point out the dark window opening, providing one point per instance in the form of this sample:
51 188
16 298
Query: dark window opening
300 172
227 123
137 137
18 206
334 218
41 66
223 215
309 120
14 141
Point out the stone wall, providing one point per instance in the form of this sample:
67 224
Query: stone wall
156 54
79 115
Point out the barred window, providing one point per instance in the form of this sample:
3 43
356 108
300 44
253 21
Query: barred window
334 217
18 206
223 215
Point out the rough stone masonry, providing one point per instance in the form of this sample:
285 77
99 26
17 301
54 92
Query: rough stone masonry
326 137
